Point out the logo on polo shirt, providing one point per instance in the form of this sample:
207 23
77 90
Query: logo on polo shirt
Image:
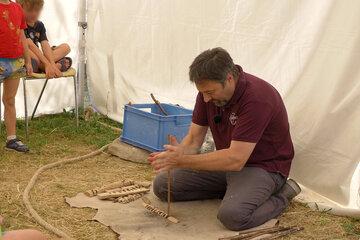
233 118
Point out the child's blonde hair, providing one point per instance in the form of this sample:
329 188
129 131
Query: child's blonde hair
31 4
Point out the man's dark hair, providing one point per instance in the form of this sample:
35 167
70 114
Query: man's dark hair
213 64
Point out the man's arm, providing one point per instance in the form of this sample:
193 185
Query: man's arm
194 139
231 159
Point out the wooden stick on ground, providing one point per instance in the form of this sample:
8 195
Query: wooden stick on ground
284 233
123 189
119 184
161 213
247 233
143 184
130 198
265 233
121 193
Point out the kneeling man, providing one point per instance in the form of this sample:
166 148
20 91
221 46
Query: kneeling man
250 127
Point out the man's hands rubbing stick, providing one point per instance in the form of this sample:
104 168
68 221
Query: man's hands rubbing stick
169 159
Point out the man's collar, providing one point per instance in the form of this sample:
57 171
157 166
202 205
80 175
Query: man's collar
239 88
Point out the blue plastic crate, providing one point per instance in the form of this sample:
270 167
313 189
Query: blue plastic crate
146 127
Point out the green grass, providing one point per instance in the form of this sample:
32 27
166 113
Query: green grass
352 226
53 138
48 129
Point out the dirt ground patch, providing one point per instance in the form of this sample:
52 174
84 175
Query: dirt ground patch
54 138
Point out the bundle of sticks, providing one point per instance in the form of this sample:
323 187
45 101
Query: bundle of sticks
265 233
124 191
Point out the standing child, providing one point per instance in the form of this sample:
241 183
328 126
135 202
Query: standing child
14 54
51 60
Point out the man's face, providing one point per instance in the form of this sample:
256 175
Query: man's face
32 15
216 92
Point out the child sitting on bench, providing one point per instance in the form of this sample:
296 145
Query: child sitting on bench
51 60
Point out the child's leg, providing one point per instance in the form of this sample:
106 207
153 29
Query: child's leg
36 63
61 51
24 235
14 70
10 90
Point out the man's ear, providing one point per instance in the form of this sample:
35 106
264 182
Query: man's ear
229 78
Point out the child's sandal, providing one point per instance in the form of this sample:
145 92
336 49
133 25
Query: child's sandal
16 145
63 63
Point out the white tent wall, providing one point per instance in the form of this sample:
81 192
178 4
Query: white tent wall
309 50
60 19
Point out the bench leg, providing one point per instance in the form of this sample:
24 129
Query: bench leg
26 111
39 99
76 102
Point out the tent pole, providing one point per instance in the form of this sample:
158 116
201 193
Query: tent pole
82 54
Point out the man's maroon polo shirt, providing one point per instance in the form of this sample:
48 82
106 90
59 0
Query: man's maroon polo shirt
256 114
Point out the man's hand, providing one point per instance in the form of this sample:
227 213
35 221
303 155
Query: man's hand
29 69
163 161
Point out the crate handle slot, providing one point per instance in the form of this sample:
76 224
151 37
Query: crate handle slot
179 121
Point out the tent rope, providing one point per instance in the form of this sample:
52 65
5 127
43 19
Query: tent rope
32 182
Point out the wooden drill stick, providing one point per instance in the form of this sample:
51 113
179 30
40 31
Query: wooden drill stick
168 184
121 193
168 192
96 191
159 212
168 173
